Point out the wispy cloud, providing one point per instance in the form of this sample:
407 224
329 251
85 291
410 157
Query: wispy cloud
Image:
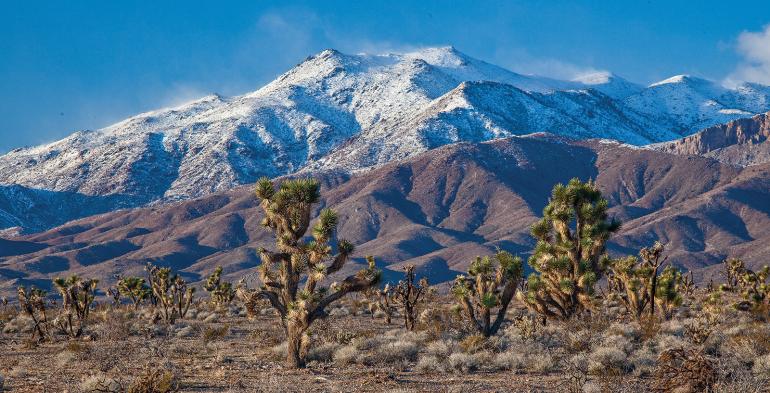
521 61
754 48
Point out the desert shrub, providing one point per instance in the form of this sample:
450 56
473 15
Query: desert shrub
213 333
681 369
429 363
607 359
287 213
512 361
761 367
465 362
115 326
101 384
154 379
568 262
323 353
347 354
643 362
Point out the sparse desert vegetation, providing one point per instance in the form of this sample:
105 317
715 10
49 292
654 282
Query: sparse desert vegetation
582 322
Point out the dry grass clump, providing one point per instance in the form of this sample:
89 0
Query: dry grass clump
684 370
396 347
154 380
100 384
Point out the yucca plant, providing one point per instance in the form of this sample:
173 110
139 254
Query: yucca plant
134 288
288 214
490 284
33 304
408 294
633 280
77 296
569 257
668 294
221 292
171 291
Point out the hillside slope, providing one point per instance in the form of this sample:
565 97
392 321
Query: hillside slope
346 113
437 210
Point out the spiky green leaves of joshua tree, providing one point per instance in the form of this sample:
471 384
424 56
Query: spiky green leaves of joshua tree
221 292
491 283
287 213
171 291
134 288
77 296
569 257
634 280
753 287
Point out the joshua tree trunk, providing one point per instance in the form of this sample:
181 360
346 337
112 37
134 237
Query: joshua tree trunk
295 347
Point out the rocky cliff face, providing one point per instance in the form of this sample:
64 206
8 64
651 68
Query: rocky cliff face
740 142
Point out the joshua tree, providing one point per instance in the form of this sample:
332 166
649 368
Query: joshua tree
77 296
634 280
490 283
753 286
171 292
287 214
407 294
734 269
383 301
668 294
221 292
134 288
32 302
569 257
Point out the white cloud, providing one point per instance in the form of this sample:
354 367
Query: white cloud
754 47
521 61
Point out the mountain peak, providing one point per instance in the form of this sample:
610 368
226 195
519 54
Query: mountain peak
596 78
683 79
443 56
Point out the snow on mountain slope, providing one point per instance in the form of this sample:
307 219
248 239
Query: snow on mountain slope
685 104
351 112
609 84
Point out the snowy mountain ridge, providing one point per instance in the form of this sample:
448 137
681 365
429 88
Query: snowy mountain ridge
345 112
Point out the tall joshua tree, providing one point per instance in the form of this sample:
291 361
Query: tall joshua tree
287 214
569 257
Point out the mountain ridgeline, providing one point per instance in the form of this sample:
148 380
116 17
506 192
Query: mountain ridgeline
346 114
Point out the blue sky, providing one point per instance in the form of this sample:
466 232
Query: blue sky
85 64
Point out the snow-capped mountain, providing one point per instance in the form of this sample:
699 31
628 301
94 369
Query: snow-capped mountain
348 112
